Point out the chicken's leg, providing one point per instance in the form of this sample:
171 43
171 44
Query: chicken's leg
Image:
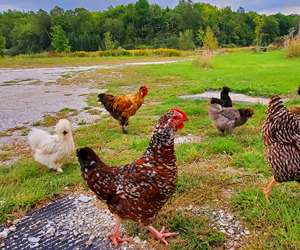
161 236
124 124
115 236
269 187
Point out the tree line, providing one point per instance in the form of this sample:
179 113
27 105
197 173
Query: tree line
139 25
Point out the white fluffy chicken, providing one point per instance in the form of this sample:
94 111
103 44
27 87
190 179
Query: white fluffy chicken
52 150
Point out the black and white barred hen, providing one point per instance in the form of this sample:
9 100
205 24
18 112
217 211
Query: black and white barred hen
281 134
137 191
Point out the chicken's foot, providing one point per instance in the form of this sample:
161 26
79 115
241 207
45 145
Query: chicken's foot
267 190
161 236
115 237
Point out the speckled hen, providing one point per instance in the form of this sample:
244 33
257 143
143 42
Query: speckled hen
281 133
138 191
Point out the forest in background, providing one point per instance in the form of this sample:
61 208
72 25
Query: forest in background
139 25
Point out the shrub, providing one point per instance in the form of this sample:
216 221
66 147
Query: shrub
210 41
186 40
204 60
2 45
293 49
108 41
59 41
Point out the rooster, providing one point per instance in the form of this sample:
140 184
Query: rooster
281 134
138 191
52 150
225 100
226 119
122 107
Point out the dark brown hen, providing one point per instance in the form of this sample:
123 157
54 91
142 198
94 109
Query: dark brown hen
137 191
281 134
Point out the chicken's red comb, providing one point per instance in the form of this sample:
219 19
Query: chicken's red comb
144 86
181 112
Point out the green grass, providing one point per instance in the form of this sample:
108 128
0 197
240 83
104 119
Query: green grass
245 72
206 169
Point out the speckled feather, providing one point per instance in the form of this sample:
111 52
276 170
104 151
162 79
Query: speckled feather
137 191
281 133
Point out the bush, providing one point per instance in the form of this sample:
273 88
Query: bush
210 41
186 40
2 45
293 49
204 60
140 52
59 40
102 53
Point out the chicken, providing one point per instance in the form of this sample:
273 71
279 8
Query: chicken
138 191
281 134
122 107
225 100
52 150
226 119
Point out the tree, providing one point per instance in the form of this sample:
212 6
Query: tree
210 41
258 30
200 36
59 42
2 45
186 40
108 42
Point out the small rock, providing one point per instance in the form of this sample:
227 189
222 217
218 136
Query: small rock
34 245
33 239
12 228
4 233
90 240
247 232
84 198
230 231
50 231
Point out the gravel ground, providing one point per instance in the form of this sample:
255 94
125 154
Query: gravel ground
73 222
236 233
187 139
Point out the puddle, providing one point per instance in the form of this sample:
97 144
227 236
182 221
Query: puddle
234 96
27 94
10 76
187 139
28 103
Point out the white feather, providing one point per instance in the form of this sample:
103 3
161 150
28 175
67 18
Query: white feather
52 150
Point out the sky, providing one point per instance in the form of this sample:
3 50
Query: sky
261 6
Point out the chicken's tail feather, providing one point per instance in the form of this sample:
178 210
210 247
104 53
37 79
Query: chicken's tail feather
107 101
36 136
276 105
215 101
87 158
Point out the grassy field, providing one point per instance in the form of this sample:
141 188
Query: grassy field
28 62
219 172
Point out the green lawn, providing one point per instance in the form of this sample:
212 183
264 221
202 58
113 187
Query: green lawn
206 169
